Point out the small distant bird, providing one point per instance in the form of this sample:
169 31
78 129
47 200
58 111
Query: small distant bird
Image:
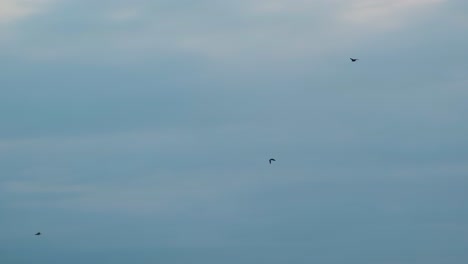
353 60
271 160
38 233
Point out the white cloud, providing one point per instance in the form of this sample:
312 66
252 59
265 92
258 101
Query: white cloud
12 10
273 29
384 13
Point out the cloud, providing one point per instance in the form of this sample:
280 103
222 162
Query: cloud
173 151
167 193
244 30
11 13
122 15
385 13
283 7
29 187
13 10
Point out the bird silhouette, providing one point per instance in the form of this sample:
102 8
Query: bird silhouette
38 233
271 160
353 60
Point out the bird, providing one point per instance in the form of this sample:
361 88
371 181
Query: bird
271 160
353 60
38 234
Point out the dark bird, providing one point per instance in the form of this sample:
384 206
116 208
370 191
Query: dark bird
353 60
38 233
271 160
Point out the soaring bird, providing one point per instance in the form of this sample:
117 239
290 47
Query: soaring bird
271 160
38 233
353 60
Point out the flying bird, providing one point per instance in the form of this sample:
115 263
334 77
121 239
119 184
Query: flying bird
38 233
353 60
271 160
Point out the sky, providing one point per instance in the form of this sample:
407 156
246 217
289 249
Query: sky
140 131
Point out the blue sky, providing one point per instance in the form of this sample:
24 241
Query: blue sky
140 131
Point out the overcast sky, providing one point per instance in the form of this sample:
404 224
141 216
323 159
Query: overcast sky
140 131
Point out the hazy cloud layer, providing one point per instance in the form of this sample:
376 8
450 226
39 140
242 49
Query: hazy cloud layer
140 131
238 30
